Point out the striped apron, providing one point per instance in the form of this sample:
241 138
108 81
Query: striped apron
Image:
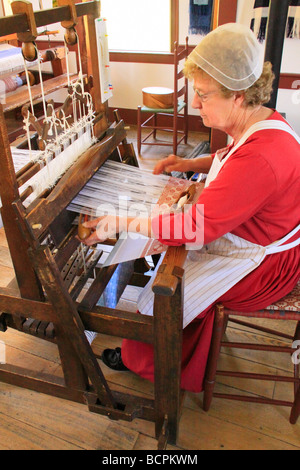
214 269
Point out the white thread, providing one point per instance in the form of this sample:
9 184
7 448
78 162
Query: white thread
29 86
135 187
67 62
83 258
41 80
26 128
80 64
49 175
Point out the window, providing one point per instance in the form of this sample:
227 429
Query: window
138 25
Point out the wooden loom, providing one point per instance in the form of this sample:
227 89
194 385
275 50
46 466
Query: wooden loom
42 241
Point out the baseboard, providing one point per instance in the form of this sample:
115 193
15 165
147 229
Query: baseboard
129 116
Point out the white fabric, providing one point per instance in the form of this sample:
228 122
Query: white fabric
12 61
48 176
218 266
231 55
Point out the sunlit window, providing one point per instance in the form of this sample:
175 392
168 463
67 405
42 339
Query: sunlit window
138 25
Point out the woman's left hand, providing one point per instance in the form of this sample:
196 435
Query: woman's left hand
102 228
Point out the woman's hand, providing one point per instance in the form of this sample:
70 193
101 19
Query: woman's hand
110 225
201 164
103 228
171 163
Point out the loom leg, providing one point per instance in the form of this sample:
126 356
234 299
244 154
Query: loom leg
70 322
296 366
167 357
209 383
74 373
295 409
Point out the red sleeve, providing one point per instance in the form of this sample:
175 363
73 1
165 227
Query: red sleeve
241 189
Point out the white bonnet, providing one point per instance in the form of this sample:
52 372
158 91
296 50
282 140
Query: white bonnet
231 55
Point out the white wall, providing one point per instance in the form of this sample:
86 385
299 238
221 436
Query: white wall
129 78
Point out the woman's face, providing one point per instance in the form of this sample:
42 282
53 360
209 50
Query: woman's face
215 110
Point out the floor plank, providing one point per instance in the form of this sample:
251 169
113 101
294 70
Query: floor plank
62 423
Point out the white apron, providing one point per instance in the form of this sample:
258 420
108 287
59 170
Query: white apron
218 266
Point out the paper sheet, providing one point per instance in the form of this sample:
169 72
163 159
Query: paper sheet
103 59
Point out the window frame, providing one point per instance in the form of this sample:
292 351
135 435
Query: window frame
153 57
224 12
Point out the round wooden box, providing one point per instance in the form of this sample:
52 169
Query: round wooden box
158 97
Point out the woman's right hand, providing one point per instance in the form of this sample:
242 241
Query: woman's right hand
171 163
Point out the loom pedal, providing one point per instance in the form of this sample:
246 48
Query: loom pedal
128 407
40 329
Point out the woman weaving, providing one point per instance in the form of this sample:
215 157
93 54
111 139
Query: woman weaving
251 203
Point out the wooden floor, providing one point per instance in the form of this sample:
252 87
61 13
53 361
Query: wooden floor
33 421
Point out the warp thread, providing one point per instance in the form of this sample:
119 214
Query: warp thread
200 16
259 21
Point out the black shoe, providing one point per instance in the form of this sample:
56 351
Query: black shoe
112 358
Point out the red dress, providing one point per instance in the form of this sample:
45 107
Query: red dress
256 197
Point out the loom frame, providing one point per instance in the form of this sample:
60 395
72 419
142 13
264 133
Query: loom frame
40 297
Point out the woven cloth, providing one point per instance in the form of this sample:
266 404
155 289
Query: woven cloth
260 19
200 16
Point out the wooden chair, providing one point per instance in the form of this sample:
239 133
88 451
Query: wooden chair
287 308
163 105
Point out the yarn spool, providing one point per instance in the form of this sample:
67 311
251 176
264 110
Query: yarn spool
15 81
30 76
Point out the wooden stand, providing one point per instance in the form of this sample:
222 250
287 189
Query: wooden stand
45 306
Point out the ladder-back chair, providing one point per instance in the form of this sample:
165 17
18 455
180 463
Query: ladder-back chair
163 105
287 308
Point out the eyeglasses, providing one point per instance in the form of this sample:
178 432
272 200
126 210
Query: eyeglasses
204 96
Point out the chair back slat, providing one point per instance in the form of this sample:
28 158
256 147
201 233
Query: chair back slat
157 120
181 92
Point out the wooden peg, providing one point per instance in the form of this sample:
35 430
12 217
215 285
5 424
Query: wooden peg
73 14
19 7
46 126
28 46
32 119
